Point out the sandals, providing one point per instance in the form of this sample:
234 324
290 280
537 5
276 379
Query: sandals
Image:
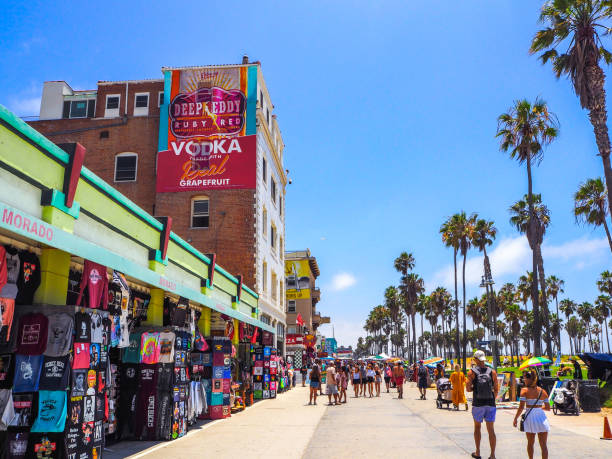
475 456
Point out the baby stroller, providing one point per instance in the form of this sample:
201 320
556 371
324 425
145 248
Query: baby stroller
565 400
445 393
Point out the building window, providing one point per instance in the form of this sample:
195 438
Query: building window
280 206
112 106
291 281
280 330
200 212
261 98
291 306
291 330
273 285
265 170
268 116
141 104
126 166
160 98
273 237
264 277
273 191
280 245
265 222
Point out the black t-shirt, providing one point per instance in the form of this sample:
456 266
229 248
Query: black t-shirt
7 370
79 382
25 409
55 373
164 414
16 445
46 445
165 373
82 328
29 278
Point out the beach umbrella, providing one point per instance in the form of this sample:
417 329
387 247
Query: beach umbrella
535 362
432 360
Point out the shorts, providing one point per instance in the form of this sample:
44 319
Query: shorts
422 384
356 381
332 389
387 379
370 379
484 412
399 381
314 384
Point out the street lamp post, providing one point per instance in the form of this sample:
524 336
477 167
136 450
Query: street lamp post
487 283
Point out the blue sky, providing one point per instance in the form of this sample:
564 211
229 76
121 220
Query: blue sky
388 111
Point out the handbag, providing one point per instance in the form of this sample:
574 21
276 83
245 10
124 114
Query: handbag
524 416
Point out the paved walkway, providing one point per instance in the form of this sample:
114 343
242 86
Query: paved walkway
378 427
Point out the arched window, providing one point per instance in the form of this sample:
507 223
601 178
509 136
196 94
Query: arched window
126 167
200 212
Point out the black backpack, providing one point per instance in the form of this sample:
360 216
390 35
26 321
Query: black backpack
483 384
422 372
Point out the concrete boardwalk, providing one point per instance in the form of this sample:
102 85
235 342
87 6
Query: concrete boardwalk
378 427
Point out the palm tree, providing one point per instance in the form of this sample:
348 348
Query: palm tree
572 327
591 206
524 132
402 264
585 311
513 319
450 238
568 307
554 286
412 286
520 217
440 300
603 306
473 310
577 24
483 236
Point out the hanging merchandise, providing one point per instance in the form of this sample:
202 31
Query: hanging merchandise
149 348
13 263
121 298
166 347
95 279
131 354
32 334
29 278
59 337
27 373
55 374
7 310
51 411
3 270
7 370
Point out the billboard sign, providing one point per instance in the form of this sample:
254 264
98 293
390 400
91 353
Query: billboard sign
207 144
294 339
297 278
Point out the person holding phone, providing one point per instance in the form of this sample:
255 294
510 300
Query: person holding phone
535 400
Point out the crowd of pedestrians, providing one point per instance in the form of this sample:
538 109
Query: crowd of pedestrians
481 381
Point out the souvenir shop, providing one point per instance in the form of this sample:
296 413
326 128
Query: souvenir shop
112 326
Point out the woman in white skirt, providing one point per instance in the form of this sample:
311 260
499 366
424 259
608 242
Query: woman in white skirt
534 400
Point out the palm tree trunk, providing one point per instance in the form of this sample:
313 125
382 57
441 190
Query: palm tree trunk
422 351
599 118
605 224
413 309
464 319
458 344
542 278
607 335
559 319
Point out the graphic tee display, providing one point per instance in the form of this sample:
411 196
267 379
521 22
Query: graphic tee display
59 337
7 310
51 411
166 347
97 330
7 409
32 336
27 373
80 356
96 281
55 373
7 369
82 327
149 348
13 263
29 278
16 445
25 411
131 354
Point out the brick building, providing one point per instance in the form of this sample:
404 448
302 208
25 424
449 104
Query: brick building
123 126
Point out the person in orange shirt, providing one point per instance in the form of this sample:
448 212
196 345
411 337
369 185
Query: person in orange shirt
457 379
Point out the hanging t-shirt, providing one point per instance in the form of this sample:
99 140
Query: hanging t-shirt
7 310
29 278
124 335
97 331
25 410
7 409
55 374
3 270
16 445
7 370
75 411
106 331
147 404
115 330
89 408
92 382
59 336
94 359
72 441
96 280
165 376
120 282
82 327
166 347
131 354
81 356
27 373
9 289
32 335
149 348
99 409
79 383
45 446
51 411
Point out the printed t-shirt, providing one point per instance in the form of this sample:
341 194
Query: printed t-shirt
81 356
7 409
132 353
27 373
7 308
97 331
94 359
96 280
55 373
147 404
25 410
79 383
45 446
51 411
72 440
59 337
82 328
7 370
106 331
3 270
32 336
29 278
149 348
9 289
115 330
124 335
89 408
16 445
166 347
165 375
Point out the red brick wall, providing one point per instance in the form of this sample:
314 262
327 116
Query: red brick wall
152 87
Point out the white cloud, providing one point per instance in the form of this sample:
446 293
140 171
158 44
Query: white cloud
323 238
25 106
512 256
343 281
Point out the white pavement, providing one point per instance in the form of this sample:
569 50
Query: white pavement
378 427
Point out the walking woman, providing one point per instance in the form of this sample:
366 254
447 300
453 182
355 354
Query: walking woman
535 400
457 379
344 377
370 375
315 383
377 380
364 378
387 376
356 380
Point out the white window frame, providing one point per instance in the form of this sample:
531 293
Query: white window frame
273 190
142 111
264 277
124 154
273 236
265 221
193 201
112 112
289 306
159 99
86 108
264 167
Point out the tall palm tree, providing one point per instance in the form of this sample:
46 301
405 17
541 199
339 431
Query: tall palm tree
402 264
412 285
585 311
576 25
524 130
440 300
603 306
450 238
554 286
591 206
513 319
520 217
422 307
572 327
568 307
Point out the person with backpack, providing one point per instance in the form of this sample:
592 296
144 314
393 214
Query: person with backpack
422 381
482 381
315 383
